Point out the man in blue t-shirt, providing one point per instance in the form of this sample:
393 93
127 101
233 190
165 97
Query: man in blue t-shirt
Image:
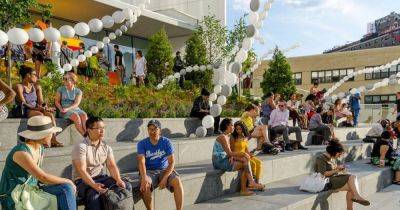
355 106
155 156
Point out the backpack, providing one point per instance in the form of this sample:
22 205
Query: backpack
117 198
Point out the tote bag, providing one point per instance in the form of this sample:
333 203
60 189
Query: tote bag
314 183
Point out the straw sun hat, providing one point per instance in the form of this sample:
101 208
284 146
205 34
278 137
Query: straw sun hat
38 128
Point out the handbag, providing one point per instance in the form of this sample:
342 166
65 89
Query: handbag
314 183
117 198
27 197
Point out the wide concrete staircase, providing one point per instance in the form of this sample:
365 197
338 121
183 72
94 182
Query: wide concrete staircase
208 188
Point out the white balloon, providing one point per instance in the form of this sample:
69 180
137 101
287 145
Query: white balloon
67 67
226 90
201 132
241 56
209 67
88 53
196 68
108 21
67 31
253 17
160 86
35 35
203 68
133 19
215 110
247 43
74 62
208 121
217 89
82 29
128 12
177 75
17 36
3 38
189 69
124 28
213 97
112 36
51 34
259 24
100 45
94 49
221 100
106 40
118 17
95 25
81 58
118 32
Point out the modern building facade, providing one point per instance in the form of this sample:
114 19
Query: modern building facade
179 18
383 32
330 68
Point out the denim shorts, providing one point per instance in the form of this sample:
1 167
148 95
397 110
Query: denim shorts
222 163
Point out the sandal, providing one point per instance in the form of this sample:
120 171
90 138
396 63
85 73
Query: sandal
261 187
57 144
362 202
247 193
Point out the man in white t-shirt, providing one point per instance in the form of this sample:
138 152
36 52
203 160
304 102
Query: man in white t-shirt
139 68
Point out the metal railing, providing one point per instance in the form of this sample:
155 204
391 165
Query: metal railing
372 113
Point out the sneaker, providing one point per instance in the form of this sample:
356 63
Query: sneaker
302 147
288 148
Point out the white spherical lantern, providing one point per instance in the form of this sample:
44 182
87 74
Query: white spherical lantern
3 38
217 89
215 110
226 90
74 62
118 32
208 121
209 67
177 75
133 19
189 69
67 31
94 49
17 36
112 36
213 97
203 68
88 54
81 58
196 68
81 29
124 28
241 56
221 100
259 24
100 45
128 12
160 86
118 17
201 132
254 5
95 25
247 43
55 47
253 17
106 40
35 35
67 67
108 21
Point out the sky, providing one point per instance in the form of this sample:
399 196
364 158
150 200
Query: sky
316 25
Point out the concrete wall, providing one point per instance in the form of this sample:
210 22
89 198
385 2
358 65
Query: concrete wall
340 60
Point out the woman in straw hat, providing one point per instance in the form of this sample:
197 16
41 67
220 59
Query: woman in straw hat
24 162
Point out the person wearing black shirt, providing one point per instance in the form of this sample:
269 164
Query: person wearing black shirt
382 153
178 65
118 63
201 108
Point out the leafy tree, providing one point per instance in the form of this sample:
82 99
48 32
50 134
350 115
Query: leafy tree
196 54
159 55
251 58
14 12
214 36
237 34
278 77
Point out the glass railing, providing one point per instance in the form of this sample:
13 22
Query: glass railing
372 113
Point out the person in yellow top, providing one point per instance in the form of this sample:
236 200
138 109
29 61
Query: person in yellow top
239 143
256 130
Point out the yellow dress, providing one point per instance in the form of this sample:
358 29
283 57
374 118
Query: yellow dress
248 121
240 145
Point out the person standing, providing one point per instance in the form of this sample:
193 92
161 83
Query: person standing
119 67
139 68
355 106
66 54
178 65
397 105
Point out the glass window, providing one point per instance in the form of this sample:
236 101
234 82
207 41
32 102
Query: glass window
350 71
343 73
328 76
393 70
376 99
314 74
384 99
392 98
385 73
335 76
368 76
368 99
321 76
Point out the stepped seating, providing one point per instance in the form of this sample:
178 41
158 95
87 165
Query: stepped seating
201 182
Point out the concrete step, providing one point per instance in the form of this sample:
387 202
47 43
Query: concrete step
201 182
386 199
285 194
128 130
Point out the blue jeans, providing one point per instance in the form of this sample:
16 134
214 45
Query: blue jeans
356 113
65 195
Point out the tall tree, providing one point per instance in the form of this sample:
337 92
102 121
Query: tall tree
214 37
159 55
14 12
278 77
237 34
